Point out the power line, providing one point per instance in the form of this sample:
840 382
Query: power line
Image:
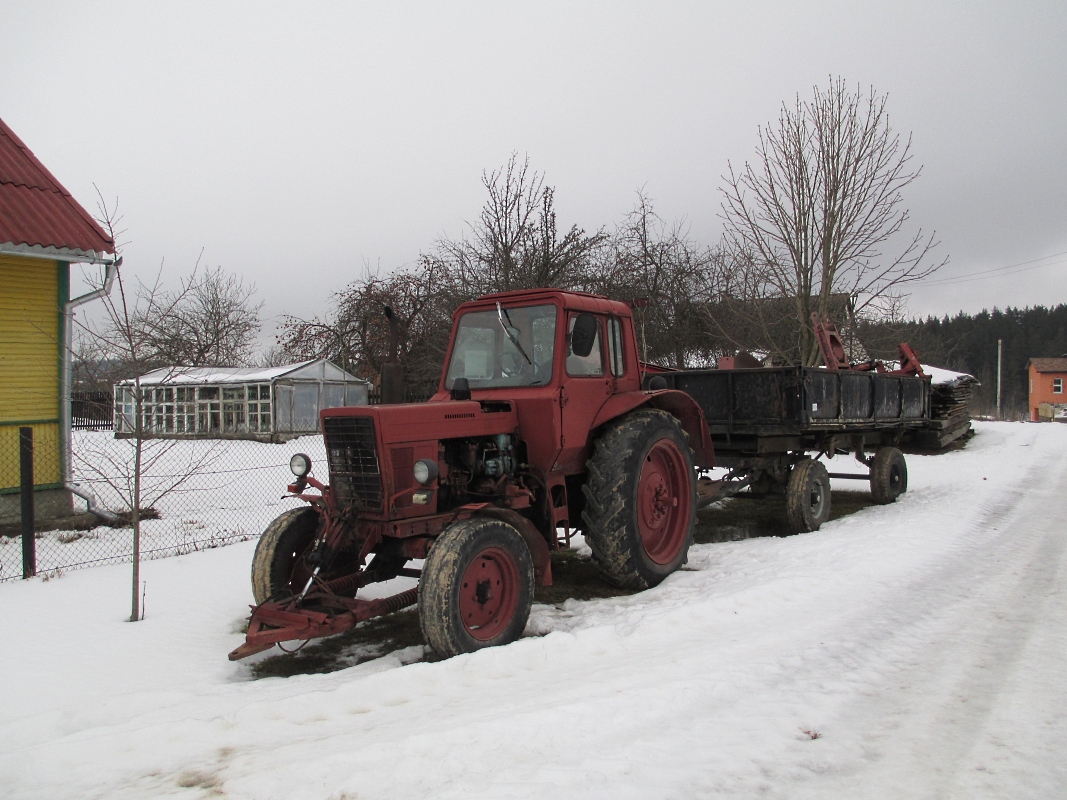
998 272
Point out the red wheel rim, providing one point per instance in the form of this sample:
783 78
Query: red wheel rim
663 502
488 593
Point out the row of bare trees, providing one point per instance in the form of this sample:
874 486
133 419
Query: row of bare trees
815 222
514 244
810 225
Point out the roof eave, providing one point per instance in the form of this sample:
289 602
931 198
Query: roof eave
51 253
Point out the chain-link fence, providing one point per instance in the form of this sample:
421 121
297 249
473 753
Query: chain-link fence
195 495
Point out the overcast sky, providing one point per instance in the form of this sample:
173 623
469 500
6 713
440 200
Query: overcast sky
296 143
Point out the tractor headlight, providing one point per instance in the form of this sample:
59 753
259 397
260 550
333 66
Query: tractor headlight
425 470
300 464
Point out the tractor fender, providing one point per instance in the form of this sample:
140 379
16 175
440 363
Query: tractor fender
678 404
533 538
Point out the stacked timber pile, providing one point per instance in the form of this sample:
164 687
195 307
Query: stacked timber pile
950 408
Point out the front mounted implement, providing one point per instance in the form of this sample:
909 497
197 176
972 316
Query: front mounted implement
291 620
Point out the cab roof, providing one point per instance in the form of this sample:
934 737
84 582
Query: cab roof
570 300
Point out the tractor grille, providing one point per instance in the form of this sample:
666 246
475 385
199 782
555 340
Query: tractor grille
355 475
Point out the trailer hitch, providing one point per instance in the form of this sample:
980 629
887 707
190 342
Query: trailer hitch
274 622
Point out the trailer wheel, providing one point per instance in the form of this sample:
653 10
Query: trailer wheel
278 565
640 499
807 496
476 588
889 475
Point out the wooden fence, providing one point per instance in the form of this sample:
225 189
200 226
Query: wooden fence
92 411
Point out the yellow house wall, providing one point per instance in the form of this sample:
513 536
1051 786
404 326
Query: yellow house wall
30 350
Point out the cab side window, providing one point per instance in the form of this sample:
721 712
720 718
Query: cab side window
583 346
618 365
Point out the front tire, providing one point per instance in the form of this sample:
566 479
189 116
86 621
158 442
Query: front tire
640 499
278 566
476 588
807 496
889 475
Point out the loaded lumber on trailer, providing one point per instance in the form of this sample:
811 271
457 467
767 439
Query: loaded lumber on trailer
950 410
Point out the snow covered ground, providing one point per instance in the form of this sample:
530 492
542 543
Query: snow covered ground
908 651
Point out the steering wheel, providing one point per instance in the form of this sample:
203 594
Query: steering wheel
512 365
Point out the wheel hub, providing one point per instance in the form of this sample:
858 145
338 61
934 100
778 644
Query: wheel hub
816 500
488 593
662 510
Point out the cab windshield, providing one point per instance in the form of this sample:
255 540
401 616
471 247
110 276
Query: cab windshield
504 347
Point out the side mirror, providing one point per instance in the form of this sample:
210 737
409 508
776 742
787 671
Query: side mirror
583 335
461 389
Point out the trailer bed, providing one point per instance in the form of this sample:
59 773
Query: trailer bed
781 409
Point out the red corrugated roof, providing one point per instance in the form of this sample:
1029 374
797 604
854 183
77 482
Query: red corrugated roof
35 209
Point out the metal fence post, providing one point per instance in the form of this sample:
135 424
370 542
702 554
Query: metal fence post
29 544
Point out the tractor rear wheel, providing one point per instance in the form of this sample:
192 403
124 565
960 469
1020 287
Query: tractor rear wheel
889 475
278 566
807 496
640 499
476 588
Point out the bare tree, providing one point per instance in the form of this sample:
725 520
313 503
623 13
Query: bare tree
210 321
815 214
133 321
647 258
516 242
355 334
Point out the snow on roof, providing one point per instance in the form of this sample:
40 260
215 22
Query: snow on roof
315 369
939 376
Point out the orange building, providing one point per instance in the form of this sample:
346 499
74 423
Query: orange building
1048 377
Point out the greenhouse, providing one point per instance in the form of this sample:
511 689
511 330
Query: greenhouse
263 403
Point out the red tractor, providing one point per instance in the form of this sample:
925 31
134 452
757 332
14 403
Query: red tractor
540 424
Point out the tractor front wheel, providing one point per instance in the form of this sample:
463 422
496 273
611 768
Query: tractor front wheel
476 588
278 567
640 499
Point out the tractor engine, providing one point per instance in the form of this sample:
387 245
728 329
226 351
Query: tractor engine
399 462
478 467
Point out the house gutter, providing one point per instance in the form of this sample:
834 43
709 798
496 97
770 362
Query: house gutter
65 381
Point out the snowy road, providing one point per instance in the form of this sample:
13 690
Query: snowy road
922 645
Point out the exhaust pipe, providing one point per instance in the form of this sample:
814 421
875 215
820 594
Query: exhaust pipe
391 386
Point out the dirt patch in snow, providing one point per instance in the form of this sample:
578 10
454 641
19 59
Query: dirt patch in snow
749 517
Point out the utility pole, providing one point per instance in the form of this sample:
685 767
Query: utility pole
1000 361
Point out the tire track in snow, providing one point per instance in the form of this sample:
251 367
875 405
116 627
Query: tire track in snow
966 624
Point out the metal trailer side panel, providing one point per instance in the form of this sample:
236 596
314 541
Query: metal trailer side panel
783 401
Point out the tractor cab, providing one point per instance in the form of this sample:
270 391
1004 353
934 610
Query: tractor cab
558 357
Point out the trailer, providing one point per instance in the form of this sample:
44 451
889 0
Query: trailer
545 421
767 423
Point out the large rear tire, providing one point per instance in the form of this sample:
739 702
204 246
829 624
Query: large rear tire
807 496
640 499
476 588
278 566
889 475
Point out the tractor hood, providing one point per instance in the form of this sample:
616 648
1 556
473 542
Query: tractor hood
449 419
